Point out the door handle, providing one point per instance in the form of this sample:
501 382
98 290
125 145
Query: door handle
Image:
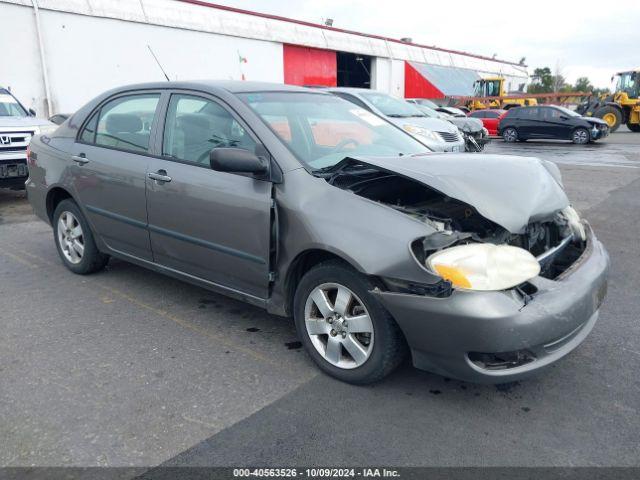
80 159
159 176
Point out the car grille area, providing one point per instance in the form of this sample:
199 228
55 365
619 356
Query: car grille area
13 144
449 137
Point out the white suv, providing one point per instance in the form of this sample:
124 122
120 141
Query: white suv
17 126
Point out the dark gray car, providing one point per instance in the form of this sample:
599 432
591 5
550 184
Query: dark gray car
302 203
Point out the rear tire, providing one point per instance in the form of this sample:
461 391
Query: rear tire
611 115
377 353
580 136
510 135
74 240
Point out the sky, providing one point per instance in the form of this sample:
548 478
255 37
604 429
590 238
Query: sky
575 37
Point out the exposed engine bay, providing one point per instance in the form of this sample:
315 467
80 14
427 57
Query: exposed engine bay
456 222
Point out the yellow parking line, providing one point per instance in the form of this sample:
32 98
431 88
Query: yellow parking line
190 326
18 259
163 313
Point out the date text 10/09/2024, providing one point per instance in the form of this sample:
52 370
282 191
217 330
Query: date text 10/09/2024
315 472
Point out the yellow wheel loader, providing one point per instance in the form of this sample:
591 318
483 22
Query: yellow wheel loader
623 106
490 93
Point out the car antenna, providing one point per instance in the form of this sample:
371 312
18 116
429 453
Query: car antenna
158 62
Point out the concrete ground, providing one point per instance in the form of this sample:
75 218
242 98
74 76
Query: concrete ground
128 367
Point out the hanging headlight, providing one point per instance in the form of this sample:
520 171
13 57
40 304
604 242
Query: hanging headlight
421 132
484 266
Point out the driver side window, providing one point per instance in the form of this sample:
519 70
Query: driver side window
196 125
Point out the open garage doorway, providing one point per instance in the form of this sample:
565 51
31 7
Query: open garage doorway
354 70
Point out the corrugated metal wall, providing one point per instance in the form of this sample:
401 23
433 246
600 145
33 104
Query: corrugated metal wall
309 66
93 45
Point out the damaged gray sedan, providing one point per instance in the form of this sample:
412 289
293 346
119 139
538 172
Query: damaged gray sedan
309 206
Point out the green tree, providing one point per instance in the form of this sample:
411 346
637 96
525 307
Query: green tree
583 85
542 81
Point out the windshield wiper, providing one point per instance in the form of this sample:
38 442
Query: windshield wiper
402 115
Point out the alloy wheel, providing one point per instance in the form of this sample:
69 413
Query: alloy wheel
581 136
510 135
339 325
70 237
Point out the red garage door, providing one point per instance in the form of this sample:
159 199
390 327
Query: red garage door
309 66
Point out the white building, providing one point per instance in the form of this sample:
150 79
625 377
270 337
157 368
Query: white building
58 54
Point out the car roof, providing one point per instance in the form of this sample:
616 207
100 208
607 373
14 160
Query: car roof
231 86
352 90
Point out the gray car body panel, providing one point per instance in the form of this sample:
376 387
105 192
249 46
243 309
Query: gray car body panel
311 215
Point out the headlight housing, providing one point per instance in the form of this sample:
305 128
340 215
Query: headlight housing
484 266
421 132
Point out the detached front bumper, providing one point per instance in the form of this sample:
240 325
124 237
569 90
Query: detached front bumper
458 336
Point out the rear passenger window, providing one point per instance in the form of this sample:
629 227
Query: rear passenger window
478 114
195 126
125 123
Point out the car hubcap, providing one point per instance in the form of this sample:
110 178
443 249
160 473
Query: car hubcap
70 237
510 135
339 325
580 136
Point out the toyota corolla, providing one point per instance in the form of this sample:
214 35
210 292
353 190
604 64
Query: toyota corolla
310 206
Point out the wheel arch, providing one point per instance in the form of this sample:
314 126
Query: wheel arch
54 196
300 265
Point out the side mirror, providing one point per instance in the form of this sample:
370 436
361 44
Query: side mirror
564 117
238 160
32 112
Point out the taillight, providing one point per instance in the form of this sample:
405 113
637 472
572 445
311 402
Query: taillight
30 159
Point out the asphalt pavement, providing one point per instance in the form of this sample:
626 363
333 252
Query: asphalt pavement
128 367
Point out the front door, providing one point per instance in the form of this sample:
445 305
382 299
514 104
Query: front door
110 161
556 123
212 225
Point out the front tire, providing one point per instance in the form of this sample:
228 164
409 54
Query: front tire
74 240
345 330
510 135
634 127
580 136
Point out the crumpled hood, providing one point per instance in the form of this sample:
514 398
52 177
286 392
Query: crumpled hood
434 124
470 125
23 122
595 120
508 190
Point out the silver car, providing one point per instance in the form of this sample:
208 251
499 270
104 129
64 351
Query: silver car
437 134
299 202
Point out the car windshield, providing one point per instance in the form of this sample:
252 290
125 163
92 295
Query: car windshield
321 130
426 103
392 107
9 107
568 112
430 112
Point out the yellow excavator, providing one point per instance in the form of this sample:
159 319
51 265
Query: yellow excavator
490 93
622 106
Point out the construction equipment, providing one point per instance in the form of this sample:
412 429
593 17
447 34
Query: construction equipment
622 106
490 93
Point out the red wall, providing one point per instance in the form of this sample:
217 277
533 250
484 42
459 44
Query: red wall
310 66
416 86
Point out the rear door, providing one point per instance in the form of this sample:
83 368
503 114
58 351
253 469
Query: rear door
212 225
108 173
